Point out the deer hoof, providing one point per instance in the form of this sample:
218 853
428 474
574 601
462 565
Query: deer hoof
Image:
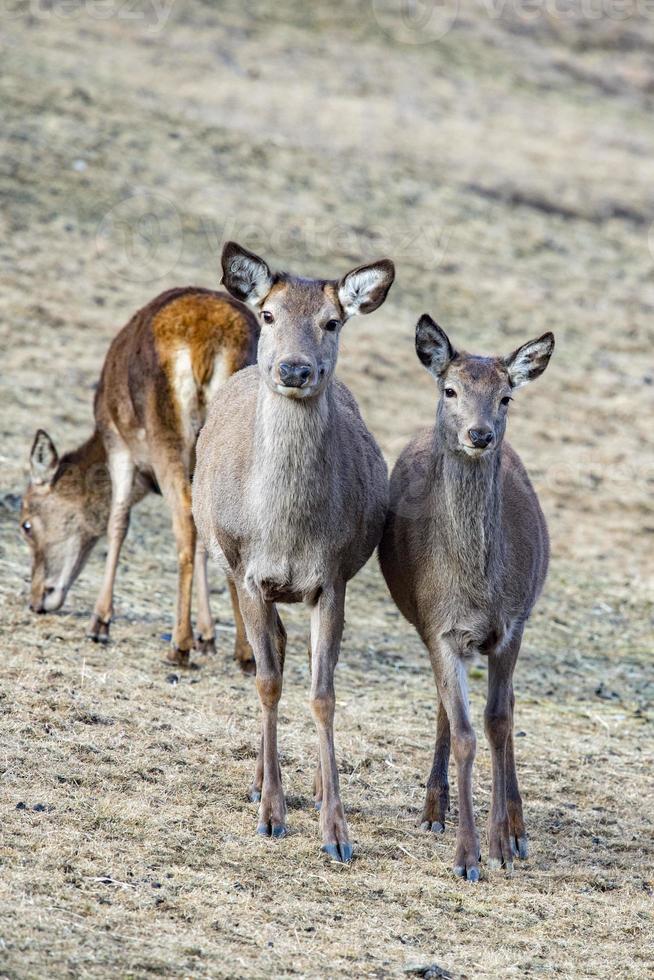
274 830
433 827
470 874
254 795
340 852
179 657
99 630
206 645
248 666
520 847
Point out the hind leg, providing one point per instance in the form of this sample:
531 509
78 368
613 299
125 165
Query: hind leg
437 800
243 654
517 831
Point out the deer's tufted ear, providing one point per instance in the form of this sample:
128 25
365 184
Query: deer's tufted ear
530 360
245 275
364 289
44 458
433 346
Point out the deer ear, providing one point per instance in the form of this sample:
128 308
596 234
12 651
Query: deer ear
530 360
44 458
432 345
245 275
364 289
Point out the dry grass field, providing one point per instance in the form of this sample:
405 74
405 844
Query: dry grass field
506 165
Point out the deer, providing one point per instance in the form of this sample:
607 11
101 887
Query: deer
464 553
159 375
290 495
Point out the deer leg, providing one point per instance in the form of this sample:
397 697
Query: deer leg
121 470
437 800
327 618
176 489
206 639
317 777
243 654
498 720
451 681
267 638
280 643
517 831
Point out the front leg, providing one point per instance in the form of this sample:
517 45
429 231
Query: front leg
451 680
327 618
206 638
267 639
121 471
506 828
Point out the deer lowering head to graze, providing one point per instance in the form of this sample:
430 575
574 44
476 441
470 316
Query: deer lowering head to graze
465 553
159 375
291 492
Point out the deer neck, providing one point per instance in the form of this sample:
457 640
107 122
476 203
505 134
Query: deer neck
469 506
88 468
291 470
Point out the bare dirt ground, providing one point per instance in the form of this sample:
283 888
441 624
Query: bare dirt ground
507 167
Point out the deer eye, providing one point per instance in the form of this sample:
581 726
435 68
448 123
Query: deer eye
450 393
27 527
332 325
506 400
267 316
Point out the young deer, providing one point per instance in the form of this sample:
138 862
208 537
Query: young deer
291 492
158 377
465 553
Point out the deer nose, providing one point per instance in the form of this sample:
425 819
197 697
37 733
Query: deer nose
481 438
294 374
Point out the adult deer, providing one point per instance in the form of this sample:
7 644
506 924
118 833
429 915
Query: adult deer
158 377
292 490
465 553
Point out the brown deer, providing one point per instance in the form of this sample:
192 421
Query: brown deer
158 377
291 492
465 553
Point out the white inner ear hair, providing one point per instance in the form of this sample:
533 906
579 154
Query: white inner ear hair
520 370
356 289
254 277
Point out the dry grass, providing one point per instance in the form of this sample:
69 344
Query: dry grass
507 169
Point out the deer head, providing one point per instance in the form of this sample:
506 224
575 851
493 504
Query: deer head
301 319
475 392
59 522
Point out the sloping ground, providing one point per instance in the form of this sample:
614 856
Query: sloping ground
506 167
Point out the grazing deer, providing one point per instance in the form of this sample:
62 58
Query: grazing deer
158 377
465 553
291 492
